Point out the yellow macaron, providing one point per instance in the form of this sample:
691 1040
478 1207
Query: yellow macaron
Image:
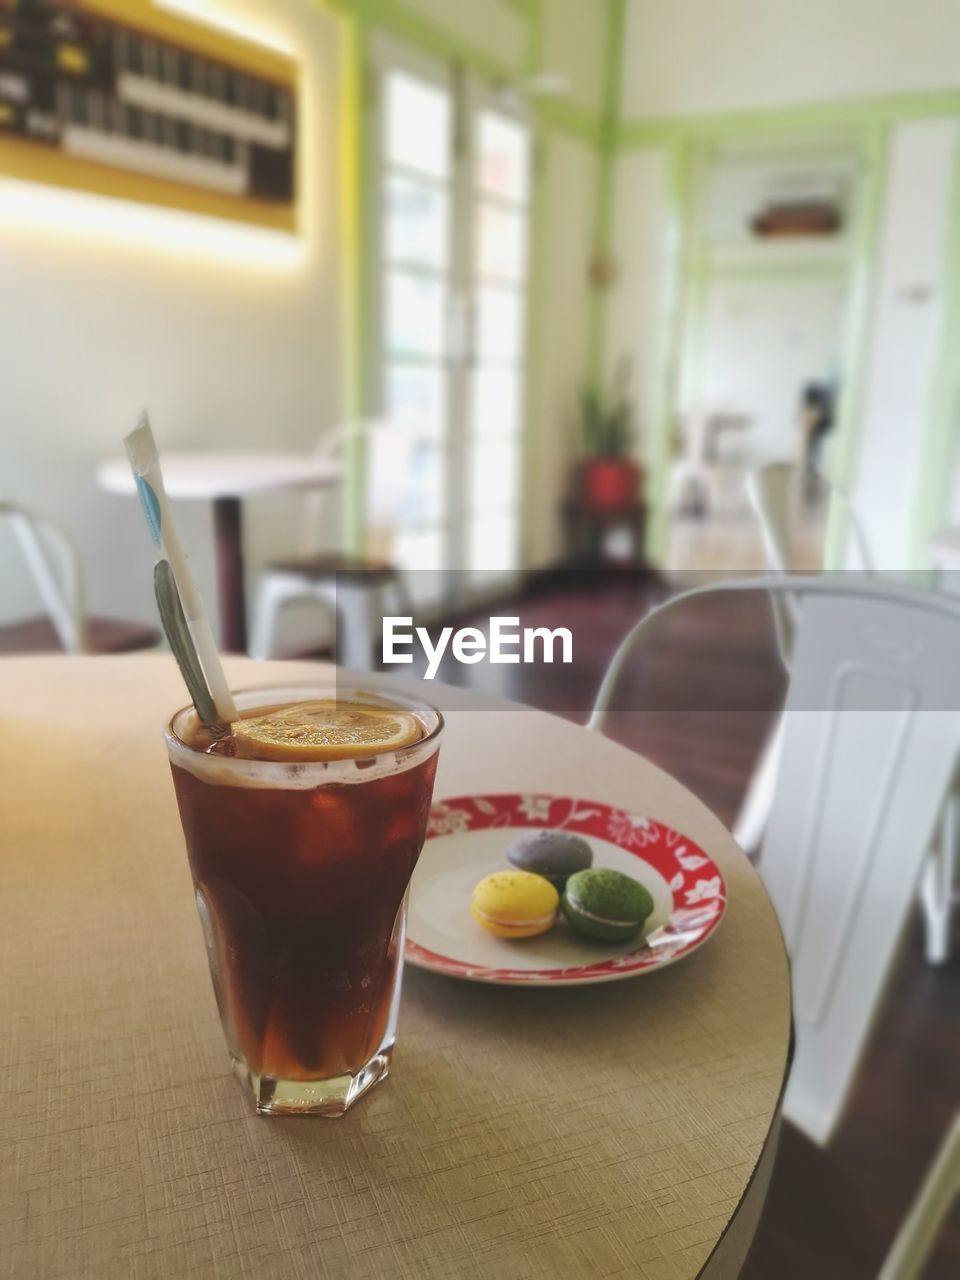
515 904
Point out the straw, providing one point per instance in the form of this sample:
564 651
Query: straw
181 608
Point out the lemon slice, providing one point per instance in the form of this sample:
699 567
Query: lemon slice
326 730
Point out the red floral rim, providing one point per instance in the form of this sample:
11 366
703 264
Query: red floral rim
696 883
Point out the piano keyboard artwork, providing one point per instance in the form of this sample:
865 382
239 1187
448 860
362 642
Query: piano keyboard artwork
113 88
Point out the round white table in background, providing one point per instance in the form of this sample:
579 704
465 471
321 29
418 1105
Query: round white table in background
225 479
618 1130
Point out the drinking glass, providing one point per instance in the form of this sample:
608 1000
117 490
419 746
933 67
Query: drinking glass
301 871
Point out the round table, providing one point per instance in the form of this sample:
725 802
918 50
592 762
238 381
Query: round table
225 478
625 1129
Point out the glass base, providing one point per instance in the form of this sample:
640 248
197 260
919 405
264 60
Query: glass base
313 1097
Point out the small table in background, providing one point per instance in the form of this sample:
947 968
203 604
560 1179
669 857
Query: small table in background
225 479
588 527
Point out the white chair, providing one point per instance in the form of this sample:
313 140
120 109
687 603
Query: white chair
773 491
354 588
870 733
55 569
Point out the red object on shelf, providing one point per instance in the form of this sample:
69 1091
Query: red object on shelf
608 484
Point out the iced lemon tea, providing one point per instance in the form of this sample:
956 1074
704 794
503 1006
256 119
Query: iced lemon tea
303 825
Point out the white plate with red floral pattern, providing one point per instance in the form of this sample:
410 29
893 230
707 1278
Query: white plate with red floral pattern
468 838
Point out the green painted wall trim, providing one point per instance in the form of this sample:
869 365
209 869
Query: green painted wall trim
865 241
940 443
534 410
606 178
560 115
774 272
869 112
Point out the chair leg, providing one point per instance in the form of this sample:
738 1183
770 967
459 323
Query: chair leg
936 885
399 595
359 617
915 1240
271 598
757 803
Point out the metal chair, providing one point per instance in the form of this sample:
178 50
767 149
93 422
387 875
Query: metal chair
772 490
56 571
914 1241
871 730
354 588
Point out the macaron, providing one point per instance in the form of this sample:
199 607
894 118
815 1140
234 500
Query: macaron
606 904
514 904
555 855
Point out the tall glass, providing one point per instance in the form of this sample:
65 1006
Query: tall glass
301 872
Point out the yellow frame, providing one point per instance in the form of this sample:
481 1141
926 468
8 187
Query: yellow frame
37 162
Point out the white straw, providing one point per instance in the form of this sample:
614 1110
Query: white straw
145 462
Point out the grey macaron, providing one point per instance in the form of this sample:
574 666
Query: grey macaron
555 855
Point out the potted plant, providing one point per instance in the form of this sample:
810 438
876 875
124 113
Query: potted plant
608 475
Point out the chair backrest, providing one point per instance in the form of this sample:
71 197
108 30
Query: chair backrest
871 733
55 569
387 453
773 489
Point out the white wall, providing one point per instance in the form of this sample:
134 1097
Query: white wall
904 334
762 342
574 46
637 303
690 56
224 349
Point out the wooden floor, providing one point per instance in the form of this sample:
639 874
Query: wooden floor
699 703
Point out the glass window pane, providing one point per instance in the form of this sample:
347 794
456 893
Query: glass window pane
494 403
415 315
415 394
423 502
417 224
500 244
492 542
419 548
503 151
418 124
499 325
494 475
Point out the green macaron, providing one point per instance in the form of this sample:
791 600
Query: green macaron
605 904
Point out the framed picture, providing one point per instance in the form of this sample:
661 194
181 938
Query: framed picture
124 99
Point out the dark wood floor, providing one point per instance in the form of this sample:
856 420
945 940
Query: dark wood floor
699 702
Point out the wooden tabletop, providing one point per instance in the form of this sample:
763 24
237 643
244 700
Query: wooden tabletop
227 474
619 1130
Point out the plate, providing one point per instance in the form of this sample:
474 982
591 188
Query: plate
467 839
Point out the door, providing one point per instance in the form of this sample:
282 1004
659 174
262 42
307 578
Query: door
452 183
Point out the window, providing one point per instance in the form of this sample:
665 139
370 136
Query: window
454 181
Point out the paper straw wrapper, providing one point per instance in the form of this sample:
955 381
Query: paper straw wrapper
145 461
